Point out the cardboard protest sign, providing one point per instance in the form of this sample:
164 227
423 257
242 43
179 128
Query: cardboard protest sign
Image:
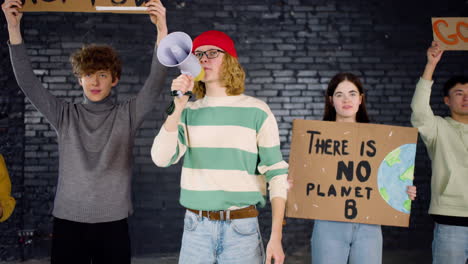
109 6
452 32
351 172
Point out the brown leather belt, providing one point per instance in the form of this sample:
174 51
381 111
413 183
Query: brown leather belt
246 212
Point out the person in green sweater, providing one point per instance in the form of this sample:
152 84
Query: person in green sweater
446 141
231 146
7 203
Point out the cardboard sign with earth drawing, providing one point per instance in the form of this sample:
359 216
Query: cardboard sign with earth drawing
351 172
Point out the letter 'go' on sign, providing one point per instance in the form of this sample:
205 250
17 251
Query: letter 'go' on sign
451 32
88 6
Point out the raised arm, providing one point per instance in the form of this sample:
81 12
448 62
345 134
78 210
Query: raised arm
154 84
422 116
434 54
171 142
13 17
158 17
40 97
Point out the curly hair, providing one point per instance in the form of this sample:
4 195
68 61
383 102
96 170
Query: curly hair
232 76
93 58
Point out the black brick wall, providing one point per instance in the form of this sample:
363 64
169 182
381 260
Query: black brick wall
290 50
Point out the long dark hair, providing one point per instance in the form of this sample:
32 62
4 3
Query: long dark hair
330 112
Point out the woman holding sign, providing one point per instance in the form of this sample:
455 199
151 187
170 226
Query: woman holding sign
343 242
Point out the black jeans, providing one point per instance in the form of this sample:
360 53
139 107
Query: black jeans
84 243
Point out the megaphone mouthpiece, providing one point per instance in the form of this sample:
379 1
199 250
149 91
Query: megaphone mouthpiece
179 54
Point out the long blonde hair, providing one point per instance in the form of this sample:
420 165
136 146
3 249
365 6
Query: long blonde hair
232 77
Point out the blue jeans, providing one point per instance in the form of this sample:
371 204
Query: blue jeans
225 242
342 242
450 244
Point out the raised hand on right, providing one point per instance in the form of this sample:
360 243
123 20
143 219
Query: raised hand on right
434 53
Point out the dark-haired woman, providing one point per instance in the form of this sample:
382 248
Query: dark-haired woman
344 242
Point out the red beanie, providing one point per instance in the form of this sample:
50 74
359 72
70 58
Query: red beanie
215 38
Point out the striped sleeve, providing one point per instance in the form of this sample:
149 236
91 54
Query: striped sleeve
271 163
169 147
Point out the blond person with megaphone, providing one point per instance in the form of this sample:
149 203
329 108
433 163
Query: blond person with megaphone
231 146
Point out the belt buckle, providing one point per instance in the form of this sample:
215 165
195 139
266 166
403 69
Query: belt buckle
225 215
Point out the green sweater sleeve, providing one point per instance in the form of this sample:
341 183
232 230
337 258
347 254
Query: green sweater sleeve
422 116
6 201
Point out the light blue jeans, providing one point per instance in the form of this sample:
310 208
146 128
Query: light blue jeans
342 242
450 244
222 242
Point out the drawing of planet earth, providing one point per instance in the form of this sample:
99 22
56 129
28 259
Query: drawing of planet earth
396 172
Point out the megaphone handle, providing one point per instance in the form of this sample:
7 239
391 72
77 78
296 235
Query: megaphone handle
179 93
170 109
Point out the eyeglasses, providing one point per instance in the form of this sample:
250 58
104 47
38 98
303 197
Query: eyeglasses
210 54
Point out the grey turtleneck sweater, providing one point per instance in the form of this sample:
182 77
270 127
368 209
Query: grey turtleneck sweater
95 142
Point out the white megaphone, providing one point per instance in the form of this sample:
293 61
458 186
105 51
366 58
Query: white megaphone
175 50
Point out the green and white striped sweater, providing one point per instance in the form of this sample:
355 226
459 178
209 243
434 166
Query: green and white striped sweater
231 146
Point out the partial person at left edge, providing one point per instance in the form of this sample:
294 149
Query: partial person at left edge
7 203
95 144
